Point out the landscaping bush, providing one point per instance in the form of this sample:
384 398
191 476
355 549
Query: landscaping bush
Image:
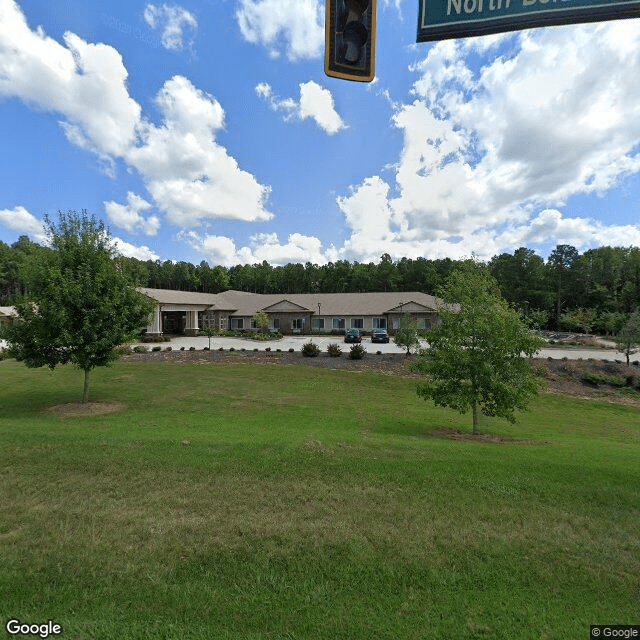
334 350
357 352
158 348
167 348
593 379
140 349
310 350
192 348
291 350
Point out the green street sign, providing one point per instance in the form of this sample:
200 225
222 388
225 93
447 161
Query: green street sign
444 19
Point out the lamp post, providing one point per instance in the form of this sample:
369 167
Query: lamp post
319 305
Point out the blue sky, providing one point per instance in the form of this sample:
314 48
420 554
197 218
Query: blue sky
208 131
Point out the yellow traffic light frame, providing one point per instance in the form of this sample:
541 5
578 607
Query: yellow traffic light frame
343 71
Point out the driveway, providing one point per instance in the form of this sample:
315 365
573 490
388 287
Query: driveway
295 342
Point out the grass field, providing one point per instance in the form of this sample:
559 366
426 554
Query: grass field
248 502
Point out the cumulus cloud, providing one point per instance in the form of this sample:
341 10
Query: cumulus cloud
263 246
491 155
131 251
172 21
189 175
20 220
315 102
294 27
84 82
127 216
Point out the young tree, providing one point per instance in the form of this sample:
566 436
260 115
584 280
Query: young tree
629 337
474 361
79 306
261 320
407 334
580 318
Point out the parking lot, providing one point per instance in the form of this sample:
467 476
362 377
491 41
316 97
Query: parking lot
295 342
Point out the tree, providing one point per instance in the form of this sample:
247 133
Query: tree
407 334
79 305
580 318
474 361
629 337
261 320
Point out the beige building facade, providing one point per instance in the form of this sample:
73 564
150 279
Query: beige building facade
186 313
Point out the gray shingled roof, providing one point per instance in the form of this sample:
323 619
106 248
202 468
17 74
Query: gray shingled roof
243 303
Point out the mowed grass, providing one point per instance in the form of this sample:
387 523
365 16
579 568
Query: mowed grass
244 501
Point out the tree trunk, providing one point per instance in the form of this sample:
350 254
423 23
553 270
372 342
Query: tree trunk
85 392
476 428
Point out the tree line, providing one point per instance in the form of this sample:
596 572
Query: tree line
591 291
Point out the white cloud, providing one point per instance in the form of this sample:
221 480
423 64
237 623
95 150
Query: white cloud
172 20
127 216
85 82
295 26
190 176
490 155
299 248
132 251
19 219
315 102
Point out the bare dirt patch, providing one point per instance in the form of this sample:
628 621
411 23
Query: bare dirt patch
483 437
83 410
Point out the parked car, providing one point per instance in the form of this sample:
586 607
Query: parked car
379 335
352 335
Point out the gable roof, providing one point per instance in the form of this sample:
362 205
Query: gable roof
246 304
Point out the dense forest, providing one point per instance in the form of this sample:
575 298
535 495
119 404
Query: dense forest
592 291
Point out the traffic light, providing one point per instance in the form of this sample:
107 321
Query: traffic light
350 38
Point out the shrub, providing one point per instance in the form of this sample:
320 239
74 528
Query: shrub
268 349
232 348
357 352
122 350
221 349
158 348
181 348
310 350
291 350
593 379
205 348
334 350
192 348
140 349
167 348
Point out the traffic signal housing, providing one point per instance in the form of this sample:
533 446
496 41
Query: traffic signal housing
350 39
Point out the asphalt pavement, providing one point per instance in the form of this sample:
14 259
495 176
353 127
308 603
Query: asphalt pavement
295 342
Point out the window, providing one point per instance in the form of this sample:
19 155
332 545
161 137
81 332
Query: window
276 324
296 324
357 323
425 324
318 324
379 323
396 323
338 323
237 323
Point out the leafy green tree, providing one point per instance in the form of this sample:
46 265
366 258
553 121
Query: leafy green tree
629 337
407 335
474 361
580 318
79 305
261 320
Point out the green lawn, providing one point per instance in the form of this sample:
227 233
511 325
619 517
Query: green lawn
269 502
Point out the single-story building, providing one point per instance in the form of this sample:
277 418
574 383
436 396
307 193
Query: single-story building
185 312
